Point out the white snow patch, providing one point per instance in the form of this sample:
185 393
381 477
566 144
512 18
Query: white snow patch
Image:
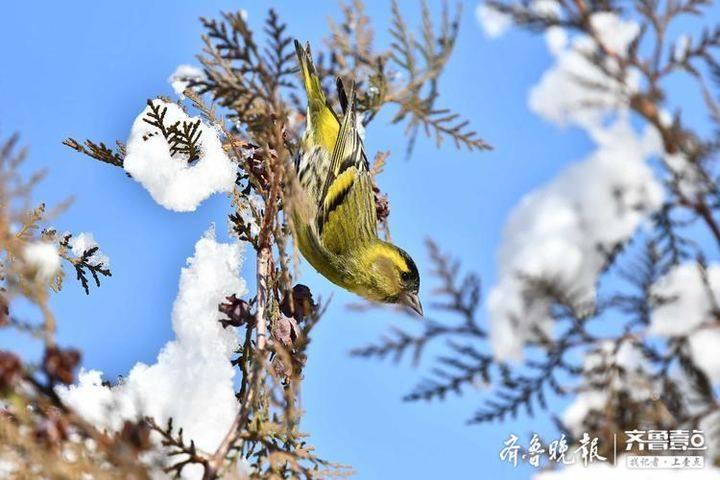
704 350
44 258
546 8
682 45
95 402
556 39
600 367
171 181
688 310
559 231
615 33
493 23
689 177
182 76
7 468
582 405
688 301
85 241
192 379
574 90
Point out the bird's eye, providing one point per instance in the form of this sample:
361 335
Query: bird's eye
405 276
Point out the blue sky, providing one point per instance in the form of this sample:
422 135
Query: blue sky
85 69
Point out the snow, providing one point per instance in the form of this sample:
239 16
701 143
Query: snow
182 76
192 379
682 46
690 181
44 259
171 181
546 8
704 350
574 90
688 302
688 311
614 32
6 468
560 231
604 470
582 405
600 367
493 23
556 39
85 241
555 231
93 401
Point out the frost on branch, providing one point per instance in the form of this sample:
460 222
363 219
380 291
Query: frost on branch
179 159
84 245
83 252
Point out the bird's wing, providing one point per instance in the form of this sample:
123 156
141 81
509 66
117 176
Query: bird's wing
346 211
312 162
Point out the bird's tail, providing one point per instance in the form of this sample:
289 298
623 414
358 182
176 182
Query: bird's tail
323 123
316 97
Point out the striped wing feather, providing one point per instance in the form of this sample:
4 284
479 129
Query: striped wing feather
346 212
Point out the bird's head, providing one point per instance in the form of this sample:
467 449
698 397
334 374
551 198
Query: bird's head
393 277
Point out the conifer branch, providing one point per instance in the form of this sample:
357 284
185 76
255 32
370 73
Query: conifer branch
98 151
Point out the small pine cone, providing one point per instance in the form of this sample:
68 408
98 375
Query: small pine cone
59 364
237 310
285 331
257 169
286 368
280 369
4 311
135 435
10 369
382 205
302 303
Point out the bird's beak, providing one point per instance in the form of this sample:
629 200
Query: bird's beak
413 301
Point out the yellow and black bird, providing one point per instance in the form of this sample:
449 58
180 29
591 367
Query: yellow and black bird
334 211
